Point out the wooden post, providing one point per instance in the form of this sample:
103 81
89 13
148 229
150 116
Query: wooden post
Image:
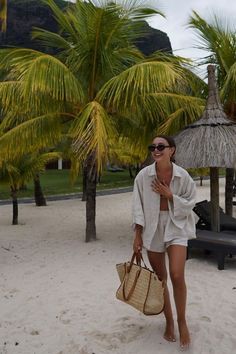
215 211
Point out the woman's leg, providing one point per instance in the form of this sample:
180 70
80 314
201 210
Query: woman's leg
157 261
177 258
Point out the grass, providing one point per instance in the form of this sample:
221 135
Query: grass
58 182
55 182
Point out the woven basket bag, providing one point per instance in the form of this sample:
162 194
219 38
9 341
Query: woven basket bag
140 287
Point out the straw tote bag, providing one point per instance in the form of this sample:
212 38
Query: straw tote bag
140 287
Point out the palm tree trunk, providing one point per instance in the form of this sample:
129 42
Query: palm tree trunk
138 168
201 179
131 172
91 199
38 192
15 206
85 178
229 191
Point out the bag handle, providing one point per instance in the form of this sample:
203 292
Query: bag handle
149 283
139 260
133 285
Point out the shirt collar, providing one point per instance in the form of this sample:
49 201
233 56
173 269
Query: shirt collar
176 172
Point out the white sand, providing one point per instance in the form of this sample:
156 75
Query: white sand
57 293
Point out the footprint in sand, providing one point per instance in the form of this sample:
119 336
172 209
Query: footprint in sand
124 334
123 319
205 319
14 291
63 318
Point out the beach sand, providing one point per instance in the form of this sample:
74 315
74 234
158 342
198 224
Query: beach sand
58 292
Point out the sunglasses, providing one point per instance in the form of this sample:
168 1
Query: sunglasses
159 147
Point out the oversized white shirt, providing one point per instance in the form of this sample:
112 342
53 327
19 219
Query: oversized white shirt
146 205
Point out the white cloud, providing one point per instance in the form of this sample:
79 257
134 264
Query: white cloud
178 12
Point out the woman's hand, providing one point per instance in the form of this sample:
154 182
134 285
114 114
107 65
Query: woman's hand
162 188
138 244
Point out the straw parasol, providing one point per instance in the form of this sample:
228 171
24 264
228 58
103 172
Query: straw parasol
209 142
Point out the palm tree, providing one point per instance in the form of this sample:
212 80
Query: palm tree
219 40
19 171
96 86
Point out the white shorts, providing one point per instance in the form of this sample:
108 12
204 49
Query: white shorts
158 244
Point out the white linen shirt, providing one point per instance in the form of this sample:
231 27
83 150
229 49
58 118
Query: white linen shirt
146 205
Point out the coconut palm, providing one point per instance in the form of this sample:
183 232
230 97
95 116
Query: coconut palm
219 40
96 86
19 171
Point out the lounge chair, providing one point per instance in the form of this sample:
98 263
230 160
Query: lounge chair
221 243
203 211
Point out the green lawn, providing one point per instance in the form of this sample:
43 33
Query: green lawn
58 182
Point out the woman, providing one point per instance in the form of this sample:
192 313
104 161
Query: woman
163 220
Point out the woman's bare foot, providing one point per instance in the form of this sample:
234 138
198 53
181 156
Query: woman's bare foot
184 336
169 334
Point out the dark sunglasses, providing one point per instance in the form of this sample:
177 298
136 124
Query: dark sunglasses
159 147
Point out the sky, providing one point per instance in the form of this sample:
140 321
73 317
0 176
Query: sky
177 14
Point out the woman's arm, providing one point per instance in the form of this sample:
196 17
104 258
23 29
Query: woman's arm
137 204
138 241
184 203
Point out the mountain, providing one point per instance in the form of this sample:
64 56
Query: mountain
23 15
154 40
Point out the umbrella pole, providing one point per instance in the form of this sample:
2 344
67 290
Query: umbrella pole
215 211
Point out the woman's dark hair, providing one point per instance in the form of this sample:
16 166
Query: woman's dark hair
171 143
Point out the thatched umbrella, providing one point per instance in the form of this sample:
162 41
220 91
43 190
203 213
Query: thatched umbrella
209 142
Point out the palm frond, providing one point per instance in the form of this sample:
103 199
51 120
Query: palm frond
51 39
171 102
76 166
34 134
31 164
104 45
216 37
41 81
228 92
184 114
3 15
50 76
8 172
127 151
135 9
125 90
10 95
207 34
23 168
61 18
91 133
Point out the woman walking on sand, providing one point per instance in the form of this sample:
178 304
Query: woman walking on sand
163 198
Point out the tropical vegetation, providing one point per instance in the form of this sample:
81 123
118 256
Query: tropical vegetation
3 15
218 39
21 170
99 93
